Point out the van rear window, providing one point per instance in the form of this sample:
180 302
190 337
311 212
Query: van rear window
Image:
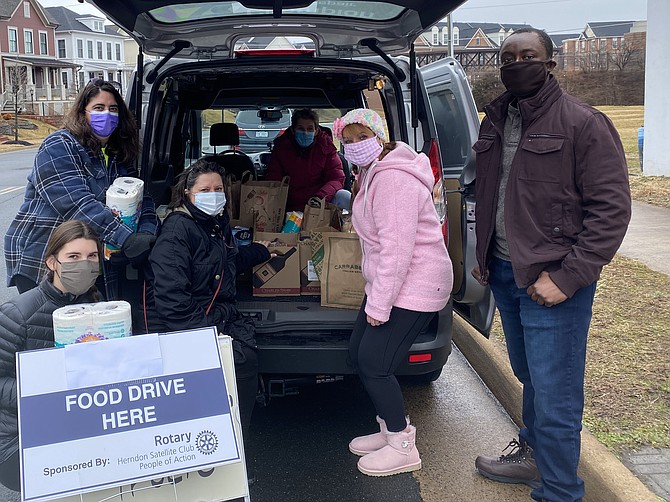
371 11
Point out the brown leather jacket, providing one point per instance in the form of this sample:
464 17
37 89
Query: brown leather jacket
567 203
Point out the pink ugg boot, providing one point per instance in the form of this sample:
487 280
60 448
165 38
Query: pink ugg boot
363 445
399 455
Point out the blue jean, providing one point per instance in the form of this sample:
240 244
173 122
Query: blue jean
547 351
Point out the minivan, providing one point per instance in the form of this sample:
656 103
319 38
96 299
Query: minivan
352 54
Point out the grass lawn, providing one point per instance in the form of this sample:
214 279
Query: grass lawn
650 189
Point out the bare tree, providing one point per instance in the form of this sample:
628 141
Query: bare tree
626 54
17 80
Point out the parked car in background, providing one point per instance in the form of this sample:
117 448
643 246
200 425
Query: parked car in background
259 128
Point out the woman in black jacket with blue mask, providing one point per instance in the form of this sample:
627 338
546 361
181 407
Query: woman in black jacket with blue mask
194 263
73 263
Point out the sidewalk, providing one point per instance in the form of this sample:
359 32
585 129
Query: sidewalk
648 240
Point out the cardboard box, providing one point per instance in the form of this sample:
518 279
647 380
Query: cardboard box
309 281
279 276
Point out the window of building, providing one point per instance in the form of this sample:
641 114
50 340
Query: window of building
81 78
64 79
97 25
118 52
456 36
109 50
28 41
89 48
445 36
26 9
44 46
99 44
615 43
582 45
80 48
91 75
13 40
436 36
61 49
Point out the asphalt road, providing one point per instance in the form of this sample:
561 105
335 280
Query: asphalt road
297 446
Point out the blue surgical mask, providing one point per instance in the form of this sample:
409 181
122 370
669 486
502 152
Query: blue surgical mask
211 203
304 138
104 123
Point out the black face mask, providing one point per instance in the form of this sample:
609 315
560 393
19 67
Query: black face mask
524 78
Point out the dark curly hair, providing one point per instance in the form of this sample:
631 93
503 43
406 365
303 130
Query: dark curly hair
544 39
187 179
124 142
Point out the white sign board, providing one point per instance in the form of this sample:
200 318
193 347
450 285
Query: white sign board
128 415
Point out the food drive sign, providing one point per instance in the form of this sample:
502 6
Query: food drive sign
159 406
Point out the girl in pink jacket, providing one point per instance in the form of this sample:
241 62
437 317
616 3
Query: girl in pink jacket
408 277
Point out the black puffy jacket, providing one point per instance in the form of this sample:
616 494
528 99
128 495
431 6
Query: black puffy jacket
25 324
194 261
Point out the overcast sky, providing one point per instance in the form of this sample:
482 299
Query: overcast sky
552 15
555 16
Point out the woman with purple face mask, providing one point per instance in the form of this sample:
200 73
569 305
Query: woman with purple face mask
72 171
408 278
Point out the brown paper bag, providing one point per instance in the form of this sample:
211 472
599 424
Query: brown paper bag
267 199
233 191
318 213
279 276
316 243
342 283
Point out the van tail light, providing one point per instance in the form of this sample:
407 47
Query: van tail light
281 131
435 160
420 358
439 195
241 131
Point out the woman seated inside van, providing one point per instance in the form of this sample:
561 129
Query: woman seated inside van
308 156
192 279
73 263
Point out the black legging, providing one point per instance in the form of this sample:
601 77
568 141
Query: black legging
376 353
246 376
9 473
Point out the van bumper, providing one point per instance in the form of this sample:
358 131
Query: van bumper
324 358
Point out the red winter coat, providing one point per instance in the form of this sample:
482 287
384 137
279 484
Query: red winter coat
314 171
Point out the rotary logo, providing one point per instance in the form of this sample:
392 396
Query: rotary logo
206 442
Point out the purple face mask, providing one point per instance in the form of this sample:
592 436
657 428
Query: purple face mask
104 123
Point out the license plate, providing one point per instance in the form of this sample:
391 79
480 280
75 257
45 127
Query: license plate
261 134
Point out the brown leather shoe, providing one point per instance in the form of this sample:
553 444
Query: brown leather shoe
517 466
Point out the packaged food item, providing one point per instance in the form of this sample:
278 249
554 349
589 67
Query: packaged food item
242 235
293 222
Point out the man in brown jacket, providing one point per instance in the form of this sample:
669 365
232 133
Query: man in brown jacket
553 205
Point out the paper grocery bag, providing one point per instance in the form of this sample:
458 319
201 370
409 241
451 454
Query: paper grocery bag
315 239
233 192
318 213
267 200
342 283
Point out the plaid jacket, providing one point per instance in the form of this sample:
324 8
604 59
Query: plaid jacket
67 182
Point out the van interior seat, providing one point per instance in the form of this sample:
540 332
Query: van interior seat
234 161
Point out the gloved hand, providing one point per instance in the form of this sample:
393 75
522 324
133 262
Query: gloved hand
137 247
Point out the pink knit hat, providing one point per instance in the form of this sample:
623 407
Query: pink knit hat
363 116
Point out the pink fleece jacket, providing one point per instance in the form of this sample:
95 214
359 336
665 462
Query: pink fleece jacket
405 260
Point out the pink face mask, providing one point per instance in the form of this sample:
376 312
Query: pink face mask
364 152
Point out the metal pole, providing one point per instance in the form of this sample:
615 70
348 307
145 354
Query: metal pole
451 35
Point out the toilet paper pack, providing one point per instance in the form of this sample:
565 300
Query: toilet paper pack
87 322
124 198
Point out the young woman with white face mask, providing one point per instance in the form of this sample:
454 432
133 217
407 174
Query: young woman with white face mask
73 264
72 171
194 264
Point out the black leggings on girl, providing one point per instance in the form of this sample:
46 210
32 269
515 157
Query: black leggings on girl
376 353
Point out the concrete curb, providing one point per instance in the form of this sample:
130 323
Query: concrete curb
605 477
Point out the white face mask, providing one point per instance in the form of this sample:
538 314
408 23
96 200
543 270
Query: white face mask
211 203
